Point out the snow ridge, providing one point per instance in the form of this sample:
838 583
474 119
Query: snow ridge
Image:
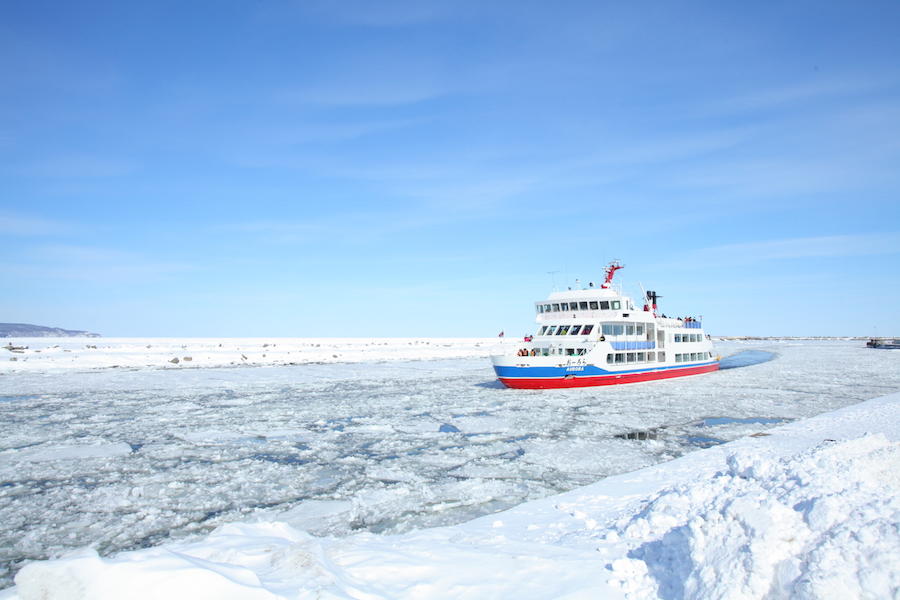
823 524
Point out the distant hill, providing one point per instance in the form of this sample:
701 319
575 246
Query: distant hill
26 330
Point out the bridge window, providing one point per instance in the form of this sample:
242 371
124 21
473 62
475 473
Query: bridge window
564 306
593 304
563 330
542 330
582 305
551 330
616 305
555 307
575 329
587 329
604 305
546 308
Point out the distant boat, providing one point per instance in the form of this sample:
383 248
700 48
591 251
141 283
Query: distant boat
886 343
595 336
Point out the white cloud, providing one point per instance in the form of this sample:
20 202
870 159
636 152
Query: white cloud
18 225
794 248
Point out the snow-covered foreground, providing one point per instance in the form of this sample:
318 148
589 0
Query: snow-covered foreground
810 510
120 459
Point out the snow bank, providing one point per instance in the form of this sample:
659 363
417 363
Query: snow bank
51 354
822 524
811 510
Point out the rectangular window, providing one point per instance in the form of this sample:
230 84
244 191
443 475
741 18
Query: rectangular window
555 307
593 304
695 356
661 357
620 357
582 306
639 329
609 359
677 337
546 308
604 305
641 356
616 305
651 356
629 330
570 351
564 306
587 329
575 329
677 358
613 329
563 330
551 330
631 357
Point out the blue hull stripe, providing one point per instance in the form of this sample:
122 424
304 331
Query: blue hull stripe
577 371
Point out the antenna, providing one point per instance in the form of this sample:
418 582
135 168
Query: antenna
553 275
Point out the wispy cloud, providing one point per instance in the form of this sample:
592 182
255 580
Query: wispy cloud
90 263
832 246
801 94
390 13
80 165
24 226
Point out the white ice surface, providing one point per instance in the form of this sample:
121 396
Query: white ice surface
56 354
811 510
389 447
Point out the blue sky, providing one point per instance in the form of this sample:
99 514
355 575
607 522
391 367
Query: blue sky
421 168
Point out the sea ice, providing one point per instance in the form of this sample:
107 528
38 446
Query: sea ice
124 459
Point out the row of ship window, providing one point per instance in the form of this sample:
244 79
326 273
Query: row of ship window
588 305
688 337
565 330
619 358
607 329
611 329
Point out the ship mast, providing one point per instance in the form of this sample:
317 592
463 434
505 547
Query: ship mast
611 269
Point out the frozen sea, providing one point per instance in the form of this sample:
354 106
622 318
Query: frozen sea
124 459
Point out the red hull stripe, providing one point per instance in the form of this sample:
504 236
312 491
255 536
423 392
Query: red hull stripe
545 383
